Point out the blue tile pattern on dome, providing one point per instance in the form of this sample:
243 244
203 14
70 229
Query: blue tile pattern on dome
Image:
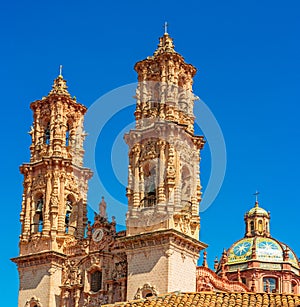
268 249
241 248
241 251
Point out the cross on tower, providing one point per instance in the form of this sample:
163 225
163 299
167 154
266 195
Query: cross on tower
256 196
166 27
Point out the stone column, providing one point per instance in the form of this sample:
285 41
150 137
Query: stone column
162 168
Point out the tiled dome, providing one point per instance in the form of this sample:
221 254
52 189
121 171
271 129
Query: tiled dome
263 249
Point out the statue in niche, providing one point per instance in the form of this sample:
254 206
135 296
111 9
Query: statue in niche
186 184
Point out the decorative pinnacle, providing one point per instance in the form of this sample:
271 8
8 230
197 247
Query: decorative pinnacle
165 43
59 86
204 264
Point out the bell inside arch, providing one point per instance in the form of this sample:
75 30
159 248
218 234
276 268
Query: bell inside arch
39 206
69 206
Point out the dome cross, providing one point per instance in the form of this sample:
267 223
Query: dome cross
256 196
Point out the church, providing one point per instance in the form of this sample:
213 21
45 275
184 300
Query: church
67 261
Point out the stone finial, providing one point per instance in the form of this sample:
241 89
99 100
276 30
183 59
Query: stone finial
216 263
102 208
204 264
224 256
223 274
286 254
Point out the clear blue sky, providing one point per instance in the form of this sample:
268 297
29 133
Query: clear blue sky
248 59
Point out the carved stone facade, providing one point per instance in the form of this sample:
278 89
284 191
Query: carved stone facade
66 261
164 188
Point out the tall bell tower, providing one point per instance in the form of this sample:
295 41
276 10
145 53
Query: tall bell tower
164 191
55 195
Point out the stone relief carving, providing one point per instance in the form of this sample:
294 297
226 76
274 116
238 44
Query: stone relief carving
72 274
145 291
120 270
149 150
95 300
32 301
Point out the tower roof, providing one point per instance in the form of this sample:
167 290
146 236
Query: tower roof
165 45
257 210
60 87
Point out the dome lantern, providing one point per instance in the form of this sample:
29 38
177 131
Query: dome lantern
257 222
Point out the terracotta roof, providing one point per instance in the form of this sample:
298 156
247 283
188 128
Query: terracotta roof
216 299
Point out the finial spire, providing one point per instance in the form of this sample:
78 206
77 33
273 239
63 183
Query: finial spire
166 27
60 70
102 208
59 86
165 43
204 264
256 198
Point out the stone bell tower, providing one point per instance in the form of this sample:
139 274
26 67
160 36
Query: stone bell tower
164 191
55 195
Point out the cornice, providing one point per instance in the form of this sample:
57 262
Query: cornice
162 237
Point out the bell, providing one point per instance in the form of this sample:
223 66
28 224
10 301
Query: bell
39 206
69 207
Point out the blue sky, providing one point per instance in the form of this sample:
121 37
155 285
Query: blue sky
247 56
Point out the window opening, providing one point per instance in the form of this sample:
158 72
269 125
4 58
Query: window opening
96 281
47 134
270 284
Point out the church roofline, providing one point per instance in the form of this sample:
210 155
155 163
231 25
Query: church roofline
201 299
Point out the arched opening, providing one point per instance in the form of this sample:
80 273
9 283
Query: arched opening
148 291
260 226
294 288
154 103
38 215
149 199
252 227
96 281
68 135
69 228
270 284
47 134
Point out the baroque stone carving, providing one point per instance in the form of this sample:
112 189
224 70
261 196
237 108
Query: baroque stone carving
32 301
120 270
145 291
71 274
95 300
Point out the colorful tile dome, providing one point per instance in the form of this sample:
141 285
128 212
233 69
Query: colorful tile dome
261 249
261 262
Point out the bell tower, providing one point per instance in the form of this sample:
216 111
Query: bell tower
55 195
164 191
